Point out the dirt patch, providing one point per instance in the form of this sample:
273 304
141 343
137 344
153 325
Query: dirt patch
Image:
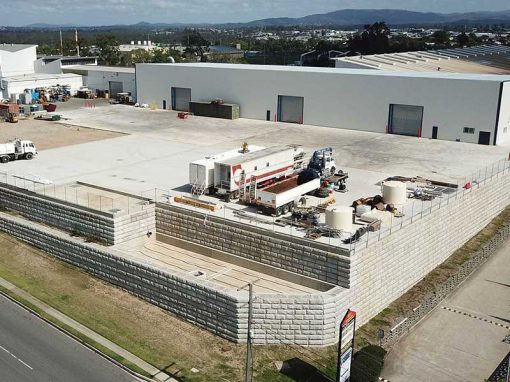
48 135
147 331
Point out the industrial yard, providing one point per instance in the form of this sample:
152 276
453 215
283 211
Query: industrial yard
245 202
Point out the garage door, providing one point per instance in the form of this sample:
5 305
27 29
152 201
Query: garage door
115 88
406 120
290 109
181 97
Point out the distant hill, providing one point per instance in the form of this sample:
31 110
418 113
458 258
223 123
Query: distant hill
391 16
344 17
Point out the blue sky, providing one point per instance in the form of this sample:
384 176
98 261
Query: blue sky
107 12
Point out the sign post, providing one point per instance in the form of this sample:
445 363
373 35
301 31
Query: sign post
345 346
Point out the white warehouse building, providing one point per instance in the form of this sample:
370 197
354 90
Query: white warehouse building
465 107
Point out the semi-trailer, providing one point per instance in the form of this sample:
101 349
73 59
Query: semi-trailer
240 176
201 172
281 197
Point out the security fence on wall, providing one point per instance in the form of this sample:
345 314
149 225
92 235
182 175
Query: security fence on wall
433 299
77 193
413 211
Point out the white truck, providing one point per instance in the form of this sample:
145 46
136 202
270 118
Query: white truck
281 197
201 172
241 176
17 149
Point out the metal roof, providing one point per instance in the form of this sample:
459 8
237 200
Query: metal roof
254 155
342 71
482 59
15 47
39 76
99 68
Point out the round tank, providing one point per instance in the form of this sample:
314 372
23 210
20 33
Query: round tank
340 218
394 192
362 209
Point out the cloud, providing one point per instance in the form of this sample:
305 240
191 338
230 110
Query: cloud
101 12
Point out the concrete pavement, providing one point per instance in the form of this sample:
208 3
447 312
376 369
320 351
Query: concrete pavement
86 331
31 350
462 339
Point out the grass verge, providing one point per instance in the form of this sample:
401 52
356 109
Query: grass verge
152 334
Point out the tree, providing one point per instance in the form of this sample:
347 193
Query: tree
108 49
441 38
139 56
462 39
373 40
195 44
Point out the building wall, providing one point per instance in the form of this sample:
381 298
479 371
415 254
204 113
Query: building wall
19 86
387 269
17 63
100 80
350 99
504 115
53 67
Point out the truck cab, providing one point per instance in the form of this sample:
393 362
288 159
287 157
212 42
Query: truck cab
25 148
323 163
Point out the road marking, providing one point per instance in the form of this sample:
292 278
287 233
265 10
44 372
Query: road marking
13 356
476 317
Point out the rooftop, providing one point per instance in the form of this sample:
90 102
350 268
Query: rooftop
99 68
342 71
484 59
15 47
39 76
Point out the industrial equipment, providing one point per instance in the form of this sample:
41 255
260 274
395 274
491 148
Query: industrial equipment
322 162
281 197
201 172
240 177
17 149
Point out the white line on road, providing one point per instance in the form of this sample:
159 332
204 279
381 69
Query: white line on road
12 355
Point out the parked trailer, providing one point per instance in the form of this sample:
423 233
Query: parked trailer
265 165
17 149
281 197
201 172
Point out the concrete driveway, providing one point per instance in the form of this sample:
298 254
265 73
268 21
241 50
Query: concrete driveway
451 346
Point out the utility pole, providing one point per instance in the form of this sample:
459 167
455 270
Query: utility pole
249 339
61 44
77 45
248 376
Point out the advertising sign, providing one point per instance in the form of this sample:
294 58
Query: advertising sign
345 346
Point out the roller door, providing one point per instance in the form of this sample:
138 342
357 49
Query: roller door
181 97
115 88
290 109
406 120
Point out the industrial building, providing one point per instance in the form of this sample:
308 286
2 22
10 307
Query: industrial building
470 108
484 59
106 78
20 70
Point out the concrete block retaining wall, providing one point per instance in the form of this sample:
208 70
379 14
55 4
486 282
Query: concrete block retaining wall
70 217
387 269
303 257
306 319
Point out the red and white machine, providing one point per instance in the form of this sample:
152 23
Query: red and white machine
239 177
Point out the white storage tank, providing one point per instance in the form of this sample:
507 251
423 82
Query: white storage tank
339 217
394 192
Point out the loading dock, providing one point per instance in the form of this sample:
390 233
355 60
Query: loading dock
115 87
406 120
290 109
181 97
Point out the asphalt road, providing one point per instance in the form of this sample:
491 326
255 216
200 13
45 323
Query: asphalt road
31 350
